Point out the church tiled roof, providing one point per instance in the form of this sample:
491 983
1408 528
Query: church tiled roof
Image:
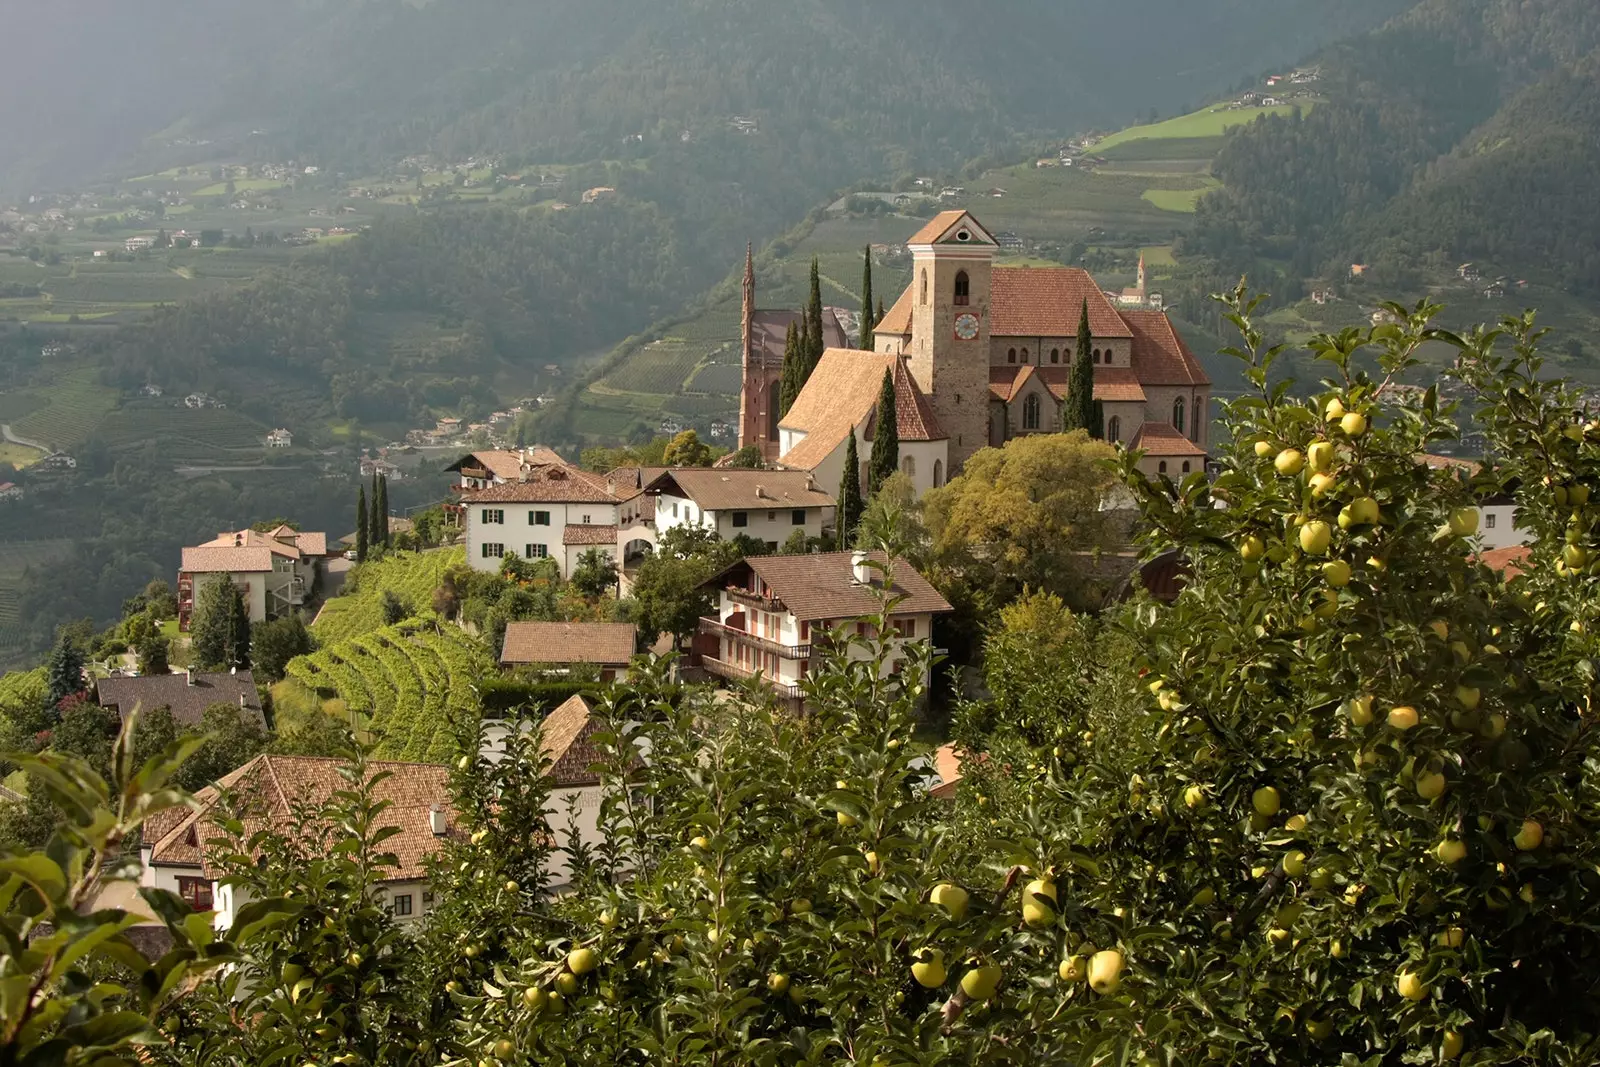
897 320
1163 439
840 393
913 415
1159 355
1047 302
1111 384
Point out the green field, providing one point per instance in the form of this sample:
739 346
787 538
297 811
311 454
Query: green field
405 687
169 422
1180 200
74 407
18 456
1206 123
240 185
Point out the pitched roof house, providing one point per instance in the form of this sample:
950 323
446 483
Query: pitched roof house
609 644
768 505
274 570
186 695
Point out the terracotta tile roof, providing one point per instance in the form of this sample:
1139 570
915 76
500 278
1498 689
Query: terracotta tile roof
730 489
566 740
507 463
1161 439
551 484
628 482
228 560
947 764
941 224
609 643
841 392
913 415
897 320
1047 302
313 544
1160 356
283 541
1509 561
1117 385
822 585
273 784
186 701
584 533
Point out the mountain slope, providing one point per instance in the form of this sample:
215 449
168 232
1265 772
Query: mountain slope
1434 120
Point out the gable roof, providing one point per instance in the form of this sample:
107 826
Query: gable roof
186 696
566 740
545 485
628 482
1047 302
272 785
507 463
840 394
769 333
230 560
822 585
609 643
729 488
941 225
1163 439
1509 561
281 541
897 320
585 533
1160 356
913 414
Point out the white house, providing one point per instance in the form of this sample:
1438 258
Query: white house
274 570
775 612
1497 514
280 438
767 505
496 466
550 512
139 244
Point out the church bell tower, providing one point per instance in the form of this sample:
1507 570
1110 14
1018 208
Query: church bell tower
952 268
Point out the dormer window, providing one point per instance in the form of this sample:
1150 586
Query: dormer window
963 289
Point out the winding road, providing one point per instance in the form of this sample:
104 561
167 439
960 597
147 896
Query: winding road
5 431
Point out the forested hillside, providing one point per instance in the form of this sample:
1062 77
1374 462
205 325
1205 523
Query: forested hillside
1464 129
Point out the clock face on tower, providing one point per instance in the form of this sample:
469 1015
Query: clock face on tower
966 326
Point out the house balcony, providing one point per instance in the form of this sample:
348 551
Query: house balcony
721 629
740 595
297 591
735 673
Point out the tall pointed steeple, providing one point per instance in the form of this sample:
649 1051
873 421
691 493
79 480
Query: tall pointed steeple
1143 292
749 295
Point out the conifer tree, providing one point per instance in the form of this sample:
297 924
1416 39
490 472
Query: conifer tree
1077 411
814 322
380 511
789 383
867 343
211 631
885 438
361 524
881 312
66 670
238 630
850 507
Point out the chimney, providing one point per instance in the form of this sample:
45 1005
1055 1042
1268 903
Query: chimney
188 675
436 821
761 492
242 704
860 573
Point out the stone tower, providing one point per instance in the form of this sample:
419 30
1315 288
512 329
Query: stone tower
952 265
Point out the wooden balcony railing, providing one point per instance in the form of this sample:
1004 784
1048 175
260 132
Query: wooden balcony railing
735 673
766 644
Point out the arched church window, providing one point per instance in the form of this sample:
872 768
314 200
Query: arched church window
1024 355
1177 414
1097 355
924 285
1011 355
1055 355
1030 412
938 472
963 288
1161 468
908 466
1114 428
1186 466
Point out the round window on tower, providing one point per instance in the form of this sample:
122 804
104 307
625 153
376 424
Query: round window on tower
963 235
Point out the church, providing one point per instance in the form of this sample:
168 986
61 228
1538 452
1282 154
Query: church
979 354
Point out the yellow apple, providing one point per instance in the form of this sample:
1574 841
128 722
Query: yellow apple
700 843
1577 495
1463 651
952 898
1360 709
799 906
1278 936
1252 548
1468 696
1354 423
1204 898
566 983
778 983
1336 572
1323 484
1073 969
1194 797
1289 462
844 818
557 1004
582 960
1319 1029
1365 510
929 969
1527 894
1464 522
1430 785
504 1049
1314 537
1105 971
1336 950
1574 556
1402 717
1411 986
1320 456
1452 1044
1294 864
1530 837
979 983
1266 801
1451 852
1264 448
1039 903
1334 409
1295 823
1497 724
1321 879
534 998
1454 937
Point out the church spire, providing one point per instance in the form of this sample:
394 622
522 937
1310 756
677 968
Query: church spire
749 297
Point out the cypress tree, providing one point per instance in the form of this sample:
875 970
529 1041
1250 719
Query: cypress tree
1077 411
361 524
380 512
211 629
238 630
789 383
814 322
885 438
850 508
880 312
867 342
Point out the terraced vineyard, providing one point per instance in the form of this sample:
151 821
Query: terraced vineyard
405 685
411 576
15 558
76 406
208 428
22 689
